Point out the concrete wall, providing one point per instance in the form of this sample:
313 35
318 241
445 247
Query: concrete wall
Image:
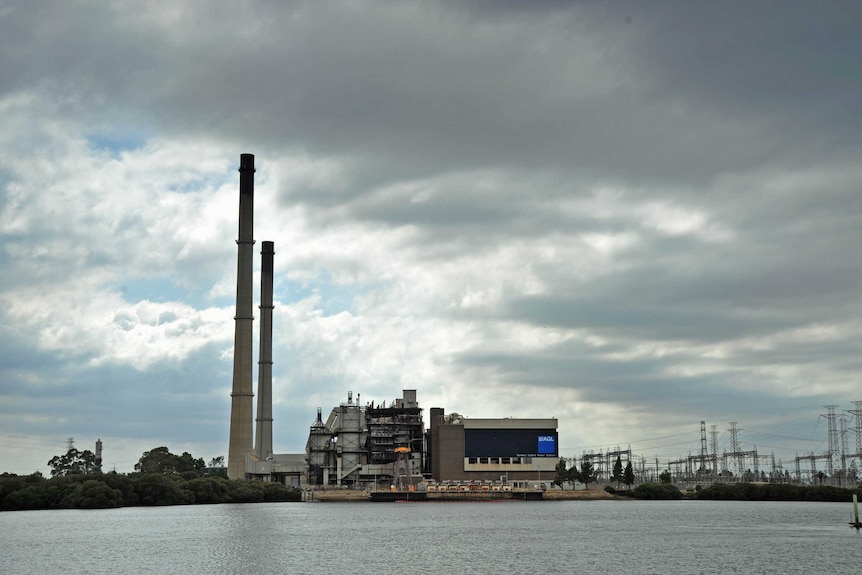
449 452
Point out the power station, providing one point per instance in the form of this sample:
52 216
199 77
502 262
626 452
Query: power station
358 445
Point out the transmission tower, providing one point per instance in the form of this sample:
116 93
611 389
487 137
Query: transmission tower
704 454
714 445
70 443
770 461
813 460
843 437
857 429
734 447
740 456
832 438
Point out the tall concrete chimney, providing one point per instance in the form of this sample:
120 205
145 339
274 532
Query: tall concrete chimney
242 393
263 430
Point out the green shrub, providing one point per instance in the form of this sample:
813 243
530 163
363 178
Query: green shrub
775 492
248 492
278 492
115 490
656 491
157 489
209 490
124 484
94 494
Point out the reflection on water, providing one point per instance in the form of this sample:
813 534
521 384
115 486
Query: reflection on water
678 537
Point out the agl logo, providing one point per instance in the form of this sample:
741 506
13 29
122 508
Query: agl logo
547 445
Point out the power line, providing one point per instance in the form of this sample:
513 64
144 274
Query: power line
630 442
764 434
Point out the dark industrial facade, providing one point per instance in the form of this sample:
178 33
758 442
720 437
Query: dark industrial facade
359 445
463 449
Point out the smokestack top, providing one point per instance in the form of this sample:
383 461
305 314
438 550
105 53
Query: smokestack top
267 251
246 162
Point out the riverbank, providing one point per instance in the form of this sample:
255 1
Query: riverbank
586 494
550 495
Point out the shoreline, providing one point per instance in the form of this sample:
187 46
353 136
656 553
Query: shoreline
347 495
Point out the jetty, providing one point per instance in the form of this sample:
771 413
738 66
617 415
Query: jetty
421 493
514 495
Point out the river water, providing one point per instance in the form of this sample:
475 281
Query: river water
606 537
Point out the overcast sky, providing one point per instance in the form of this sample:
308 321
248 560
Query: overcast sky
630 216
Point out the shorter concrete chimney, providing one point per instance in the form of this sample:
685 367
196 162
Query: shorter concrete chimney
263 430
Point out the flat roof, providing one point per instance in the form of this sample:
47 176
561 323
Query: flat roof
510 423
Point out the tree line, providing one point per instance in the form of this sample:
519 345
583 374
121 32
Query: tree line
586 473
742 491
160 478
777 492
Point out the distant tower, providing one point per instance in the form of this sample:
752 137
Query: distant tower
832 438
858 427
241 440
263 431
713 444
734 446
99 453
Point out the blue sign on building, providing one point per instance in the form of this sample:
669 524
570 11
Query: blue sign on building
547 445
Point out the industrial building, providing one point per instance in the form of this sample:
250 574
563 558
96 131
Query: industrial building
361 445
463 449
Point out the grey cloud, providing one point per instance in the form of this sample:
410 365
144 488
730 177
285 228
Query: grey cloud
760 60
382 83
637 386
704 295
166 401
